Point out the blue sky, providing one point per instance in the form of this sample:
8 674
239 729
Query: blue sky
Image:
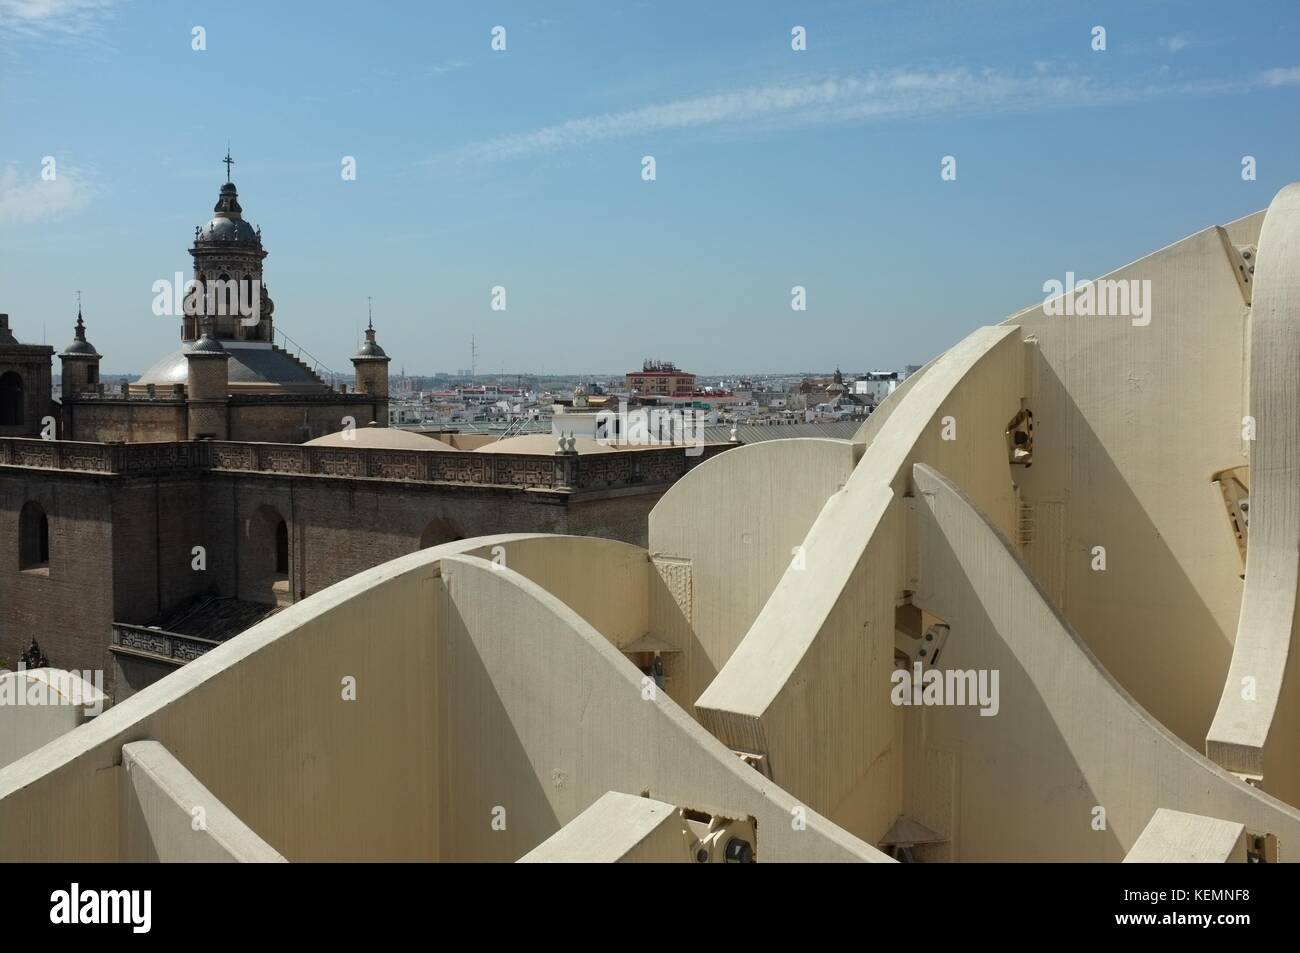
522 168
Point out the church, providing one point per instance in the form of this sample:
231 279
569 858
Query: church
147 524
229 379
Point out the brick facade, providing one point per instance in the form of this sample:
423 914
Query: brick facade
124 522
168 416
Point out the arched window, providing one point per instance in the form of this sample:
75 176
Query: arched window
33 537
11 399
281 549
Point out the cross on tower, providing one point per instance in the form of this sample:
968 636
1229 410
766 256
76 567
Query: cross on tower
369 313
228 161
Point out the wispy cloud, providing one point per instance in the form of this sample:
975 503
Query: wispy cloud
1281 77
442 69
25 197
878 96
36 18
1176 43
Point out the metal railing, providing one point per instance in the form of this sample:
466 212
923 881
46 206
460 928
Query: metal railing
516 427
292 347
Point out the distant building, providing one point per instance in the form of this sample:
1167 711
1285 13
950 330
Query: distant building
660 378
876 385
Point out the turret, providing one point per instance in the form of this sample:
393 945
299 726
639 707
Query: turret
208 390
80 362
371 365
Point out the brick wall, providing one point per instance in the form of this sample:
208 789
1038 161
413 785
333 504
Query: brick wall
68 610
31 362
124 421
157 522
285 421
122 546
338 528
264 420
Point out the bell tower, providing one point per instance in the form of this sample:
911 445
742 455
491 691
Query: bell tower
79 360
371 364
228 256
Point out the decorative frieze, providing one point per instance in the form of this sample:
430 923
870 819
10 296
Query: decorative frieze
283 458
518 470
342 463
233 456
458 468
173 646
392 464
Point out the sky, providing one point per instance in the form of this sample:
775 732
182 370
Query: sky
523 168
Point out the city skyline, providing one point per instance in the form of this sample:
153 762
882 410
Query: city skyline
522 168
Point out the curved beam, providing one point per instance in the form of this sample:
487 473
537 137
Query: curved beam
450 667
527 735
723 535
1254 728
1068 745
816 662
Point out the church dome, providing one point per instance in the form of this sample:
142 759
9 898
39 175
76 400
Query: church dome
544 443
381 438
80 349
206 345
228 225
227 230
371 349
253 368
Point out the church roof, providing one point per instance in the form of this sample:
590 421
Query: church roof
254 367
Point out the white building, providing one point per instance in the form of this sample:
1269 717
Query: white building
876 385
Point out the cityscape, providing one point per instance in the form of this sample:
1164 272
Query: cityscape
634 440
